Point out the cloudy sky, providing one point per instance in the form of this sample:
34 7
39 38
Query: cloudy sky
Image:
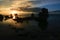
50 4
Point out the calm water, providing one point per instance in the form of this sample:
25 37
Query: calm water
54 22
53 25
31 29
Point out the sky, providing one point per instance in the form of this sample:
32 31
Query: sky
53 7
50 4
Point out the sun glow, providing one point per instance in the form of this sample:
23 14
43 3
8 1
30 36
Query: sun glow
15 6
13 12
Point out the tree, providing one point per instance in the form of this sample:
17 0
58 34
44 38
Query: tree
1 17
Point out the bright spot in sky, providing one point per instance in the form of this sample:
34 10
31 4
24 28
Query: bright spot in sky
13 12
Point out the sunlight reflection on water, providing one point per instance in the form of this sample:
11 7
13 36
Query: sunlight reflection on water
20 25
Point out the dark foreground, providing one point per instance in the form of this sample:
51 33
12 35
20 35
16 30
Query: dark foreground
33 32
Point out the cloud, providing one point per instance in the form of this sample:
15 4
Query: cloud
5 3
38 3
15 3
25 3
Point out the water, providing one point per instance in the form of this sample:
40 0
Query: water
53 25
31 29
54 22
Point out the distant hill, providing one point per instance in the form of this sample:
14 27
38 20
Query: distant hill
36 9
55 12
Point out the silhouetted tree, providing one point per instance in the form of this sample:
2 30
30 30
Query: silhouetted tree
1 17
6 17
16 16
11 16
43 15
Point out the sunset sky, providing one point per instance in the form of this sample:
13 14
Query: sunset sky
50 4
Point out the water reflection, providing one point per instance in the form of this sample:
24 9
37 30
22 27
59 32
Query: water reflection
18 22
43 15
13 23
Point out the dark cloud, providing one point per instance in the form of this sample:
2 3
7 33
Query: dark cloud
44 2
34 2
